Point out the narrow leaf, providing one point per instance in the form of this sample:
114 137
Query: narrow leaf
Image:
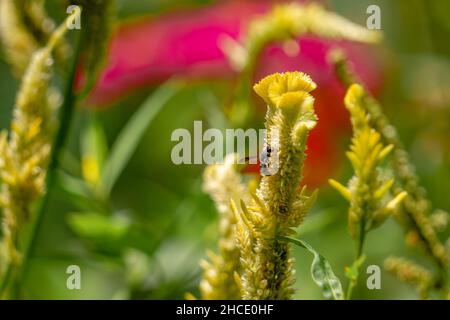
131 134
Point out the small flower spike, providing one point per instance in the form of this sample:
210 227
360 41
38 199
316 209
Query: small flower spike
223 183
368 191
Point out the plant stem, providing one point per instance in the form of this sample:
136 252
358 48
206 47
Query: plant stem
6 280
65 118
359 252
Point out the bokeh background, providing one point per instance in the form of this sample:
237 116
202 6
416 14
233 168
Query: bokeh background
158 223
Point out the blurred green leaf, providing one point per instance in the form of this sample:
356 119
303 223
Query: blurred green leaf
77 191
131 134
321 272
106 232
137 266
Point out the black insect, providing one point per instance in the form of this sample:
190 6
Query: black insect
264 159
265 167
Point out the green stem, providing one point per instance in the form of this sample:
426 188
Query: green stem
359 252
6 280
66 115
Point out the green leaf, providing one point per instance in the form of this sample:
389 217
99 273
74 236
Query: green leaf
79 193
131 134
106 232
321 271
73 185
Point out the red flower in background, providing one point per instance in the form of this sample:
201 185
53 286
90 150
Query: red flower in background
186 44
148 52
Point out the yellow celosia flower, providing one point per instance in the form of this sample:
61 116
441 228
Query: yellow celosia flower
24 153
367 191
278 205
420 231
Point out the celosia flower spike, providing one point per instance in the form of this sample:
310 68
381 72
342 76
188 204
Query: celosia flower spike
278 206
367 192
420 232
223 183
24 152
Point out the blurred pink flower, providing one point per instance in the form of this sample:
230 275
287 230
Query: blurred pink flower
186 44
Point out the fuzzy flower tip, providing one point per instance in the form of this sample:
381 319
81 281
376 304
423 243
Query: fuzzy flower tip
285 89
